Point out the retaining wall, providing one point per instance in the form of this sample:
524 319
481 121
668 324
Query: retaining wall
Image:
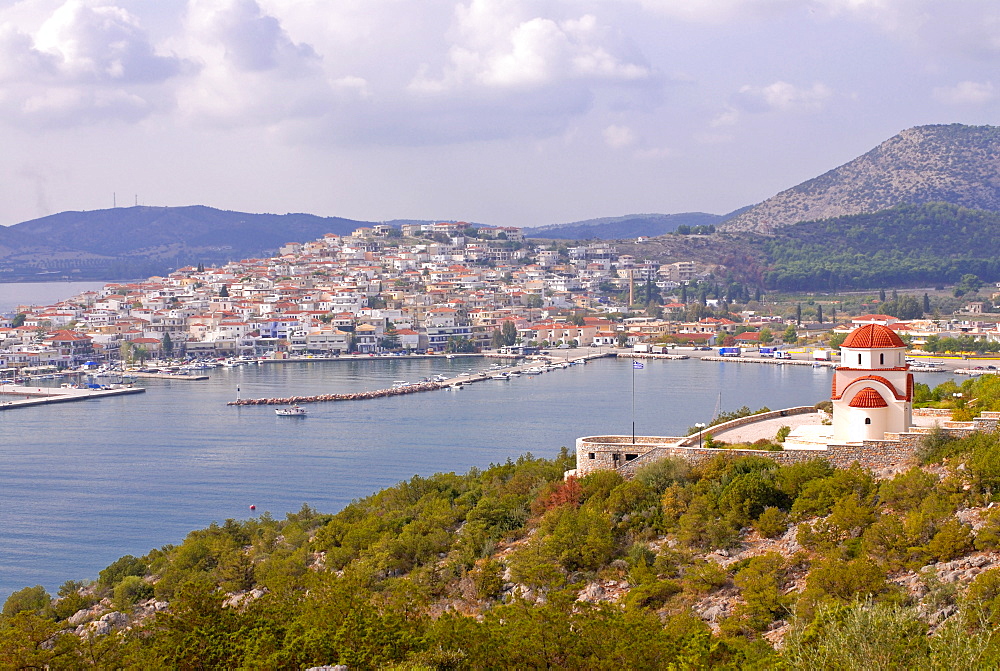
611 452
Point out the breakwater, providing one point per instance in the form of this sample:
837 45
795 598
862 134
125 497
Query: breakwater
357 396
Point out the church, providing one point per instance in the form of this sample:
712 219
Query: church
872 388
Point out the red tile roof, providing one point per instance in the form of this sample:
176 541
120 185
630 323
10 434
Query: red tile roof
873 336
868 398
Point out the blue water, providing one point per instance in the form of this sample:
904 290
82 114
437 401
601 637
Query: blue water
13 294
82 484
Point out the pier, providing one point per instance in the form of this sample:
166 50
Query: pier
18 396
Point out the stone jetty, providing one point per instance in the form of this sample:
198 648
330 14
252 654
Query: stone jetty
359 396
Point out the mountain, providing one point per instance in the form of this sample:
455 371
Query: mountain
953 163
140 241
618 228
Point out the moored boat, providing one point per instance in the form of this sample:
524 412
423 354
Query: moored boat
291 411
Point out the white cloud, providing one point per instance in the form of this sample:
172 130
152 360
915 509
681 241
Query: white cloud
253 72
500 48
619 137
965 93
783 97
82 64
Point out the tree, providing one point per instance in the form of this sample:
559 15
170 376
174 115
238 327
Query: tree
969 284
837 339
32 599
881 295
927 303
790 336
819 313
497 340
167 345
533 301
766 337
798 314
509 333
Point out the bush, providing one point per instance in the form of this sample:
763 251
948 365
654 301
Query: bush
772 522
130 591
651 595
31 599
783 433
121 568
662 473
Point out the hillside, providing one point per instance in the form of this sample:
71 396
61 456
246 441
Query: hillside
908 245
143 241
619 228
954 164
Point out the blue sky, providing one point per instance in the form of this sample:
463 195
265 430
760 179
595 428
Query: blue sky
505 112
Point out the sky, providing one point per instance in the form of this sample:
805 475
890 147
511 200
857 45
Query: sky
503 112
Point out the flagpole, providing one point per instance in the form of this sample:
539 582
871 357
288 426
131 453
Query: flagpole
633 402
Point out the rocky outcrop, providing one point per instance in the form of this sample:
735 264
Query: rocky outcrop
948 163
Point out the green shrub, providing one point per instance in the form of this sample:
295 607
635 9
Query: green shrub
651 595
120 569
783 433
130 591
31 599
772 522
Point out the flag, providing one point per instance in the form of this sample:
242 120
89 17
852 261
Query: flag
637 364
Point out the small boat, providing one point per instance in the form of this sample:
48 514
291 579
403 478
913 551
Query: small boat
291 411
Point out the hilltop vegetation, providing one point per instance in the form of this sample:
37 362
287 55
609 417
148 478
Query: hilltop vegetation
907 245
513 567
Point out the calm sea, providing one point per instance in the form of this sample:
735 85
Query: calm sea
82 484
40 293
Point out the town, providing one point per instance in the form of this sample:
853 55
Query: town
423 289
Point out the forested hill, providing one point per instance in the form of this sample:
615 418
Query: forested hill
947 163
908 245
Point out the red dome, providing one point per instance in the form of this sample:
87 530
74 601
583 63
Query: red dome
873 336
868 398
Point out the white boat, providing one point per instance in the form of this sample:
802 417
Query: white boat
291 411
501 376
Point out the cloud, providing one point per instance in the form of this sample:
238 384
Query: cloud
783 97
499 50
618 137
254 73
965 93
82 65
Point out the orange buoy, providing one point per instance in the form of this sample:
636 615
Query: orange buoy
253 507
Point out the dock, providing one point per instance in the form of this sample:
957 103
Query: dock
18 396
169 376
774 362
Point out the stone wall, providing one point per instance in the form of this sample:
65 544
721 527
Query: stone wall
743 421
893 450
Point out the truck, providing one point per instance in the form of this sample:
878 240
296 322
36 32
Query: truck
730 351
821 355
768 352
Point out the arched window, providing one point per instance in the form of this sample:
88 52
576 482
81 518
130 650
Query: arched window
859 358
868 420
881 359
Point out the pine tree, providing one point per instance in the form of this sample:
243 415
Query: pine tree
798 314
927 303
819 313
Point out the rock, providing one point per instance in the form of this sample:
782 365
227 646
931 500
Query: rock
714 613
115 619
81 616
592 593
